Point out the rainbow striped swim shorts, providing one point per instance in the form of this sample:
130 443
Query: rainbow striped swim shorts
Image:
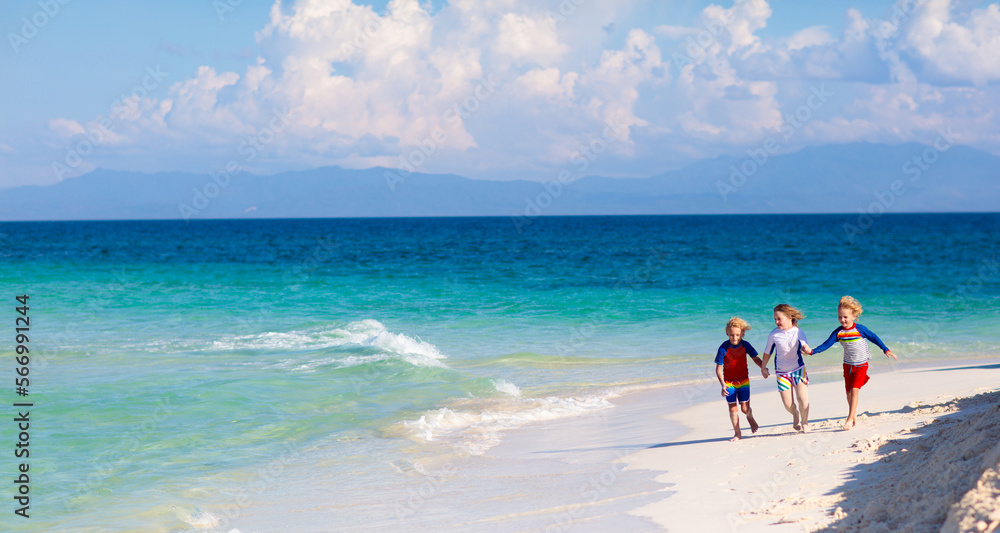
787 380
738 390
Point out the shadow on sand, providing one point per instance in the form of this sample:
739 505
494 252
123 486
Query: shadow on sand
747 435
917 480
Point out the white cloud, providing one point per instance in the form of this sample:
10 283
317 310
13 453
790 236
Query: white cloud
735 88
812 36
813 53
194 105
547 83
65 128
952 50
718 105
529 40
615 83
352 79
363 88
742 22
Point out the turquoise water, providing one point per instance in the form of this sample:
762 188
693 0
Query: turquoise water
175 364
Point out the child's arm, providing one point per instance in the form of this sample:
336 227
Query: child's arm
720 358
868 334
769 348
722 380
826 344
763 364
752 352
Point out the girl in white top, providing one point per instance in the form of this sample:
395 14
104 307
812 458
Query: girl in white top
787 343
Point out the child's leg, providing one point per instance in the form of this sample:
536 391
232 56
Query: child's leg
788 400
734 417
855 377
754 426
802 392
852 408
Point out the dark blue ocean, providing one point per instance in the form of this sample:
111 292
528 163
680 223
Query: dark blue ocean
174 364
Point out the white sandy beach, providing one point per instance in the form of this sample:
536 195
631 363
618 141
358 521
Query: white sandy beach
916 452
660 459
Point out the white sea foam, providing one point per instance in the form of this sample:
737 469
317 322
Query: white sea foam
198 519
314 338
506 387
475 426
362 333
414 351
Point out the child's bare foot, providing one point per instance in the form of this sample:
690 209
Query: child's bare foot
736 437
753 426
805 428
795 422
849 423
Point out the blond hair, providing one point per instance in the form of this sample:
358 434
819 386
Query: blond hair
851 304
738 323
790 312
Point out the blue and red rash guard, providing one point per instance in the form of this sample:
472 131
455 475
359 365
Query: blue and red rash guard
733 359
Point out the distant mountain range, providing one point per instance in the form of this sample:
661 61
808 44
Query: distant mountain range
847 178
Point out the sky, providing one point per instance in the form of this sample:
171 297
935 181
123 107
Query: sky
489 89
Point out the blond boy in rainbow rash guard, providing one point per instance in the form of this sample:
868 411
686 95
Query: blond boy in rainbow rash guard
852 336
731 369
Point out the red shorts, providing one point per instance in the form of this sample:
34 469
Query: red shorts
855 376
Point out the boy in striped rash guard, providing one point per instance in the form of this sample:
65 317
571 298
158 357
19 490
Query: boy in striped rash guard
853 337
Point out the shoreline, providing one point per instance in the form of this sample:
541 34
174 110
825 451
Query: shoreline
660 458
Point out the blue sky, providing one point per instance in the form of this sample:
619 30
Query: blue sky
495 89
